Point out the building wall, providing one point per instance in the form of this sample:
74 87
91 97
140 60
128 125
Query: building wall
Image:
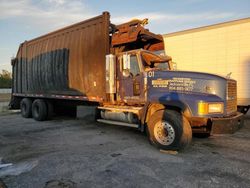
219 49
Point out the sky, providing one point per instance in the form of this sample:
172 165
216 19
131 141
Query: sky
22 20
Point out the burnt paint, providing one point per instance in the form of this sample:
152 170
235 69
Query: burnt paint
44 73
88 42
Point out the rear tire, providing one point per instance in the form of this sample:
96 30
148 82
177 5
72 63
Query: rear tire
26 107
169 130
39 110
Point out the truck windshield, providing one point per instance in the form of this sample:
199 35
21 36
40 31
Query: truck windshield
162 66
153 61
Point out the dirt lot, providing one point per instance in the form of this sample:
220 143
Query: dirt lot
81 153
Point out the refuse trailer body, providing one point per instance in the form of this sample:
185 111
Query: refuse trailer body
117 68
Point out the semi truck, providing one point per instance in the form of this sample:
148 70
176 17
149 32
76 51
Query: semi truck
118 70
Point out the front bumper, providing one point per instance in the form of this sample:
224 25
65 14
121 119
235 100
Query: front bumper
227 125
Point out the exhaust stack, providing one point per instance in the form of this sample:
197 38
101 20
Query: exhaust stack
111 76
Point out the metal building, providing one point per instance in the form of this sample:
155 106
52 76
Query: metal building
221 49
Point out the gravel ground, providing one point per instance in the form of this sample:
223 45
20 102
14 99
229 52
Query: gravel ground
67 152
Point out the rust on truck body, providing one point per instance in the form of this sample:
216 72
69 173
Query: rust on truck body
132 35
112 67
58 62
71 61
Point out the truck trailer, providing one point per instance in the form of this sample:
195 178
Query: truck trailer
222 48
116 68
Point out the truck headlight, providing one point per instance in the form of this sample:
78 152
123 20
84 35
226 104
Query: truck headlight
215 108
209 108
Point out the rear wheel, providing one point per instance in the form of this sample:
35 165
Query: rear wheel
39 110
169 130
26 107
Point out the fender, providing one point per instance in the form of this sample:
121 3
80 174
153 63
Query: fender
151 108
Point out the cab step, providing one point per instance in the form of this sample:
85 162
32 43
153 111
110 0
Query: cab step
118 123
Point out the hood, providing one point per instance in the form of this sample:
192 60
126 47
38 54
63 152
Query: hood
188 82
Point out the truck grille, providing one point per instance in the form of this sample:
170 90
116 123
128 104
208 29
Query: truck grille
231 105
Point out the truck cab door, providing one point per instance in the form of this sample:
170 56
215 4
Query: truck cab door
131 81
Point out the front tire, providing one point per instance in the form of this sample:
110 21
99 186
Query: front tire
169 130
39 110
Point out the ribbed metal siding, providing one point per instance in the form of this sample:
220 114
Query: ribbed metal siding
68 61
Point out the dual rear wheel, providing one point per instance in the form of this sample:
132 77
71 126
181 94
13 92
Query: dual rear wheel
39 109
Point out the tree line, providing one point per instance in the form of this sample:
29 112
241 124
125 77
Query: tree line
5 79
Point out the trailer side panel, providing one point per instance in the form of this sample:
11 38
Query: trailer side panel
219 49
69 61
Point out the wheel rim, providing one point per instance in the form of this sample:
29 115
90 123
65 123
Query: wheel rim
164 133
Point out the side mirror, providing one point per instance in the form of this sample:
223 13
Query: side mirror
126 61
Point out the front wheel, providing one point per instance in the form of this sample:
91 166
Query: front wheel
169 130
